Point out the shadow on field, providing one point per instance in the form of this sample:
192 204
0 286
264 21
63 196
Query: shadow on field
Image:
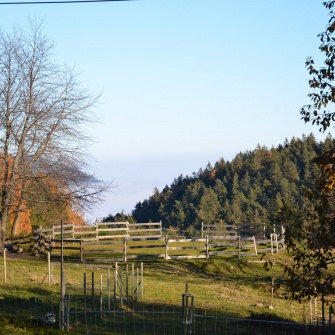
103 315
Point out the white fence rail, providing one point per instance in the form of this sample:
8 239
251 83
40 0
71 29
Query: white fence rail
121 241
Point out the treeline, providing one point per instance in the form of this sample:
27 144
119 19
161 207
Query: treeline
259 186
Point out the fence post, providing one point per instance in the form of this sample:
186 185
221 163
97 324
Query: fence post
132 282
272 290
239 246
141 280
255 245
202 230
101 293
161 229
84 291
109 288
92 291
115 282
188 312
207 250
276 239
121 285
127 229
125 250
137 286
81 251
127 284
166 247
49 268
271 239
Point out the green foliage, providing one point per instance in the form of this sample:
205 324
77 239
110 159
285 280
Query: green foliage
312 247
260 186
322 79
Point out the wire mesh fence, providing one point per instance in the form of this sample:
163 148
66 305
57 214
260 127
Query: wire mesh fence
145 319
108 307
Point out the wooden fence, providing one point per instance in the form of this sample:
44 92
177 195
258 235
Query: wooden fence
122 241
103 230
259 230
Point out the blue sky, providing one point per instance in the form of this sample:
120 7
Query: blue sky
183 82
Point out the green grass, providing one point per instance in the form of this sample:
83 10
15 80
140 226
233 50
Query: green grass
222 287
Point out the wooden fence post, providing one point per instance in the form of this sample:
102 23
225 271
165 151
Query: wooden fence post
127 284
101 293
161 232
141 280
49 268
92 291
121 286
166 247
276 240
109 288
115 282
125 250
137 285
81 251
255 245
133 281
207 249
239 246
271 240
202 230
85 292
127 229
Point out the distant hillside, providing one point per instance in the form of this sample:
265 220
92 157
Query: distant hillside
265 185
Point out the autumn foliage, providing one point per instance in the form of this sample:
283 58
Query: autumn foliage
43 204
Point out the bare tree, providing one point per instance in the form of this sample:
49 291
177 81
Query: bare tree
43 112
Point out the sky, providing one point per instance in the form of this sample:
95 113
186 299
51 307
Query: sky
183 83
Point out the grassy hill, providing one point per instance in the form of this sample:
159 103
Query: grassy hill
226 287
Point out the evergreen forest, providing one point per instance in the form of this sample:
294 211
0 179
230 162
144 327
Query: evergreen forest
265 185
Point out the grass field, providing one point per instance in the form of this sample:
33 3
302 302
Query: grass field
226 288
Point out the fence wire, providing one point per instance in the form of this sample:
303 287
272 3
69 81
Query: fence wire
148 320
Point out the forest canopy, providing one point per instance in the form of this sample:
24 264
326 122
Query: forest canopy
264 185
